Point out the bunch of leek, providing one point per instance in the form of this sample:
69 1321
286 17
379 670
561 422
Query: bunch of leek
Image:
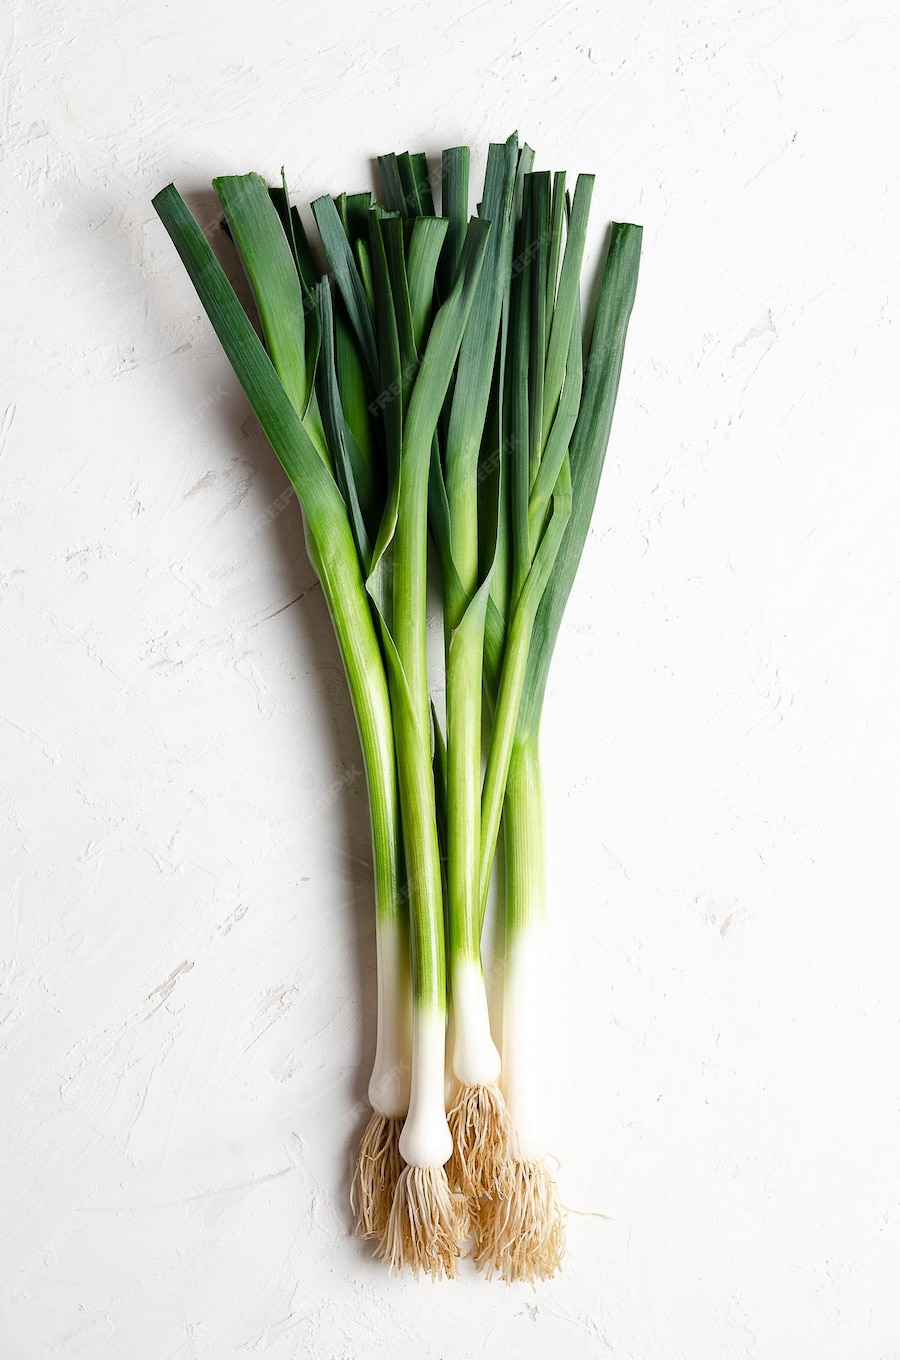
432 391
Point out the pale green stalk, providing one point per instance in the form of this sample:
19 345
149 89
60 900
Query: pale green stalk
332 548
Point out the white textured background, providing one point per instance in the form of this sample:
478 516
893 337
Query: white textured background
187 958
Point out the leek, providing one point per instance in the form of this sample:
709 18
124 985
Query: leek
431 388
521 1234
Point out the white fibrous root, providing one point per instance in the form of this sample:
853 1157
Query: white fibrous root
521 1235
479 1125
378 1169
427 1222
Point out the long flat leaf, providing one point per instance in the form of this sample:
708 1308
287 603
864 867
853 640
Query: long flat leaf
557 222
560 434
269 264
567 299
353 474
537 204
426 240
352 384
454 206
587 453
475 373
391 186
342 263
299 457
